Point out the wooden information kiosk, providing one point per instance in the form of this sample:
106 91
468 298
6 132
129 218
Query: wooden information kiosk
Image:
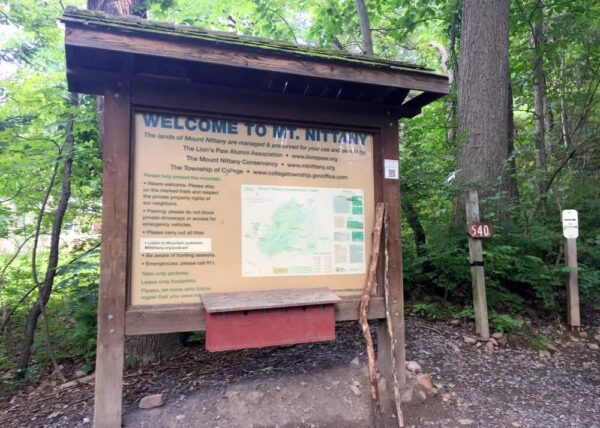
242 173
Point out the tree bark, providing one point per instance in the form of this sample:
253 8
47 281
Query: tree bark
539 89
448 68
415 224
365 27
512 188
483 96
151 348
113 7
564 118
45 289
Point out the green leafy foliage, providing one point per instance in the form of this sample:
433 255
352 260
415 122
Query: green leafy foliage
431 311
504 323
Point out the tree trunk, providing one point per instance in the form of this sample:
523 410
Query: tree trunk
512 188
151 348
564 118
539 90
447 67
45 288
113 7
454 33
365 27
483 95
415 224
146 349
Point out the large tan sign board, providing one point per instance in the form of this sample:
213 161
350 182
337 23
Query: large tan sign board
235 205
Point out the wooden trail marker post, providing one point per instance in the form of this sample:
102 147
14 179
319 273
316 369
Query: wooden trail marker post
208 136
570 224
476 261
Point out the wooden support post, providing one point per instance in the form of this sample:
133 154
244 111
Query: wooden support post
390 324
390 193
113 261
477 271
572 283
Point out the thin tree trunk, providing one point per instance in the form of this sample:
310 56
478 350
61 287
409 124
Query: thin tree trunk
453 76
415 224
365 27
454 32
564 118
549 116
539 89
45 289
512 188
451 99
483 95
113 7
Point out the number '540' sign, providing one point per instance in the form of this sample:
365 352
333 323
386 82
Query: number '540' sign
479 230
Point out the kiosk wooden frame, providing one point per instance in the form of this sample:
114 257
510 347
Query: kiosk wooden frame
137 64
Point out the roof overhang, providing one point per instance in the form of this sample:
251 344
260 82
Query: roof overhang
102 48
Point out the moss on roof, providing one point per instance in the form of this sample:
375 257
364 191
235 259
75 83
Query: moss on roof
73 15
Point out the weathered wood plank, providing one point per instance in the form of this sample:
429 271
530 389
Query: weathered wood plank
179 318
391 327
267 299
231 101
391 198
113 261
178 48
477 270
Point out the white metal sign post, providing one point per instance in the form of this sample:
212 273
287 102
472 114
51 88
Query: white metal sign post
570 224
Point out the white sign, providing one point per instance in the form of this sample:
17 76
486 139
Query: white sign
570 224
390 168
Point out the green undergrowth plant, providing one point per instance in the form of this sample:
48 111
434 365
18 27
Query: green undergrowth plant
504 323
430 311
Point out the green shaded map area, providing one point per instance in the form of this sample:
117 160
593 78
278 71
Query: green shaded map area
291 229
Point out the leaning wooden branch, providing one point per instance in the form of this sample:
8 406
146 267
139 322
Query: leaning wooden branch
390 326
363 310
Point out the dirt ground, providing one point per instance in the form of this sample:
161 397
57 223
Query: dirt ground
325 385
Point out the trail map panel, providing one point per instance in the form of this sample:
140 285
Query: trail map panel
302 231
232 205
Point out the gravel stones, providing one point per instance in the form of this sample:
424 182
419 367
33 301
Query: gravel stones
510 385
413 367
497 335
152 401
470 340
424 380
